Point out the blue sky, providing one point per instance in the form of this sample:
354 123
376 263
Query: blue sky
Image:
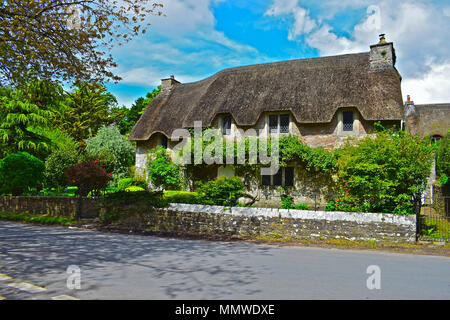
197 38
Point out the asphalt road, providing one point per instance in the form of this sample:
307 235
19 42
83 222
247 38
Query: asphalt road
34 262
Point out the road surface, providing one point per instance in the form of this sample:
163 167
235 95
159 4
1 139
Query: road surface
35 260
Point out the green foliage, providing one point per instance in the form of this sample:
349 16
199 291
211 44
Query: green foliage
20 171
60 159
224 191
22 110
113 148
287 203
302 206
386 172
124 183
132 115
86 109
292 149
443 159
121 204
182 197
87 176
134 189
162 172
40 219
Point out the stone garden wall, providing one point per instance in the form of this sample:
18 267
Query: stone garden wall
276 223
53 206
236 221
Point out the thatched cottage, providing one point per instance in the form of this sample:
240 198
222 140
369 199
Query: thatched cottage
322 100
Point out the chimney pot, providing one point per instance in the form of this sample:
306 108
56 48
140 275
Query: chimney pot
408 98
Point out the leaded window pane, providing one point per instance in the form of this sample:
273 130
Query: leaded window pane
348 121
284 123
273 123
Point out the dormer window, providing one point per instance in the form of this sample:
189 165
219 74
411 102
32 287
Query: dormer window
347 120
279 123
226 124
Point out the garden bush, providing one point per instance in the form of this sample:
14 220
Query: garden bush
56 164
384 173
131 182
302 206
117 153
134 189
162 172
87 176
443 159
123 204
19 172
182 197
224 191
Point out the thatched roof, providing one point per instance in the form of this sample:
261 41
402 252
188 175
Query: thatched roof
312 89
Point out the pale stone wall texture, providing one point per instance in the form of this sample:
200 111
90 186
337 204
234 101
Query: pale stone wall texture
273 223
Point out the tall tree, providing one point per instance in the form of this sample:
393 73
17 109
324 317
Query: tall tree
87 108
66 39
24 110
133 114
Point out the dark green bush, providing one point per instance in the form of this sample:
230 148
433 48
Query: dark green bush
122 203
223 191
19 172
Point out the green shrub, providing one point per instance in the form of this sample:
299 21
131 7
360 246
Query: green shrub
302 206
182 197
114 149
287 203
386 172
134 189
223 191
131 182
162 172
124 183
56 164
19 172
443 159
123 204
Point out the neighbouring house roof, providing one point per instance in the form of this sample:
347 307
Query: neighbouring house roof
428 119
312 89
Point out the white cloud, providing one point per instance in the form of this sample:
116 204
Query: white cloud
432 87
419 30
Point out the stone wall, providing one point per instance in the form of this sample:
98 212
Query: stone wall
236 221
274 223
53 206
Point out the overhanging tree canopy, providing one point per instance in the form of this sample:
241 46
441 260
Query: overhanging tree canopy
66 39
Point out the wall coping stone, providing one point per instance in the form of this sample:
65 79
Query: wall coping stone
360 217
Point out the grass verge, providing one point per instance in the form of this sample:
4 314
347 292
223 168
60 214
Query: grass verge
39 219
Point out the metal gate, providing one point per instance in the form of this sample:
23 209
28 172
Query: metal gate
433 222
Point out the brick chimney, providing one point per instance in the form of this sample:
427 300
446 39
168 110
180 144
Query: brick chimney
410 108
167 84
382 54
